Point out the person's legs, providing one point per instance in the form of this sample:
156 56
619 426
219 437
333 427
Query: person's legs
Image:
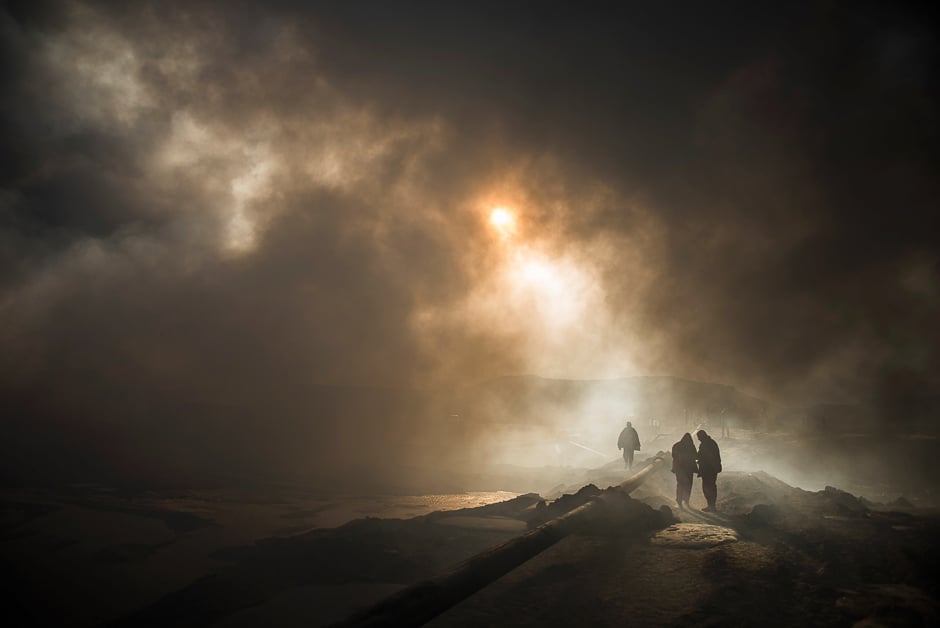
683 487
626 458
710 488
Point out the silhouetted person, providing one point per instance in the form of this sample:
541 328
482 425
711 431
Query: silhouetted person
629 442
683 465
709 466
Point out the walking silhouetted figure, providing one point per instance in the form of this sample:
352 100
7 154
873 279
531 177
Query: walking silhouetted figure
629 442
683 465
709 466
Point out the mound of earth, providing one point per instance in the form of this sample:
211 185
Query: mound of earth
773 555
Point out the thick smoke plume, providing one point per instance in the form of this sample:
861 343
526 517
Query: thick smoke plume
255 239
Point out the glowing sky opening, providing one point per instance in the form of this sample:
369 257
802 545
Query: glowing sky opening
504 221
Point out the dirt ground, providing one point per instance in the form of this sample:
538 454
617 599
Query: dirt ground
773 555
86 555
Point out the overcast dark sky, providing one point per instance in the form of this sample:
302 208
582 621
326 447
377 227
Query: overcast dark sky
218 205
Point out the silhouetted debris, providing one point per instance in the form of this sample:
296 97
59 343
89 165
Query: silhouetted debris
623 515
563 504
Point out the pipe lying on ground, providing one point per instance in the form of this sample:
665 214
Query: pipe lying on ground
422 602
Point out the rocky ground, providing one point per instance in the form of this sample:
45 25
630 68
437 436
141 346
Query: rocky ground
772 555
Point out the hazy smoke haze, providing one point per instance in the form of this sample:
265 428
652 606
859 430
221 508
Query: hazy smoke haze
258 237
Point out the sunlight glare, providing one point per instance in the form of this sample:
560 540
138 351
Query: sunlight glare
556 288
503 220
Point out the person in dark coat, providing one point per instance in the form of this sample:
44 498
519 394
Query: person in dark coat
683 465
629 442
709 466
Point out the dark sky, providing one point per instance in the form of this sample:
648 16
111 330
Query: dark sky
208 209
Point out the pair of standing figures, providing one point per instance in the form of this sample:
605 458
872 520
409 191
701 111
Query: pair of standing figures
706 462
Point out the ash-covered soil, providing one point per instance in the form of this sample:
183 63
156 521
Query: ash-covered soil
84 555
773 555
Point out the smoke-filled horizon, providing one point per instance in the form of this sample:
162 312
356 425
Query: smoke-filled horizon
212 212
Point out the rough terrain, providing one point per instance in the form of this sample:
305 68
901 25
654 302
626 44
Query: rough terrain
772 555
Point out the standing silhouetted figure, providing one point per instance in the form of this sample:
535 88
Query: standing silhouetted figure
629 442
683 465
709 466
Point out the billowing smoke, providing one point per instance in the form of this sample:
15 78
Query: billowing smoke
255 239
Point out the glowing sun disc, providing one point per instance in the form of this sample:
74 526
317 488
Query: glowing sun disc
503 220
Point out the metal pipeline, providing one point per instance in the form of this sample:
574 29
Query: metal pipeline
421 602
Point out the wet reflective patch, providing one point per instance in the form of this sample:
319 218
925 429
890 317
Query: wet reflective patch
694 536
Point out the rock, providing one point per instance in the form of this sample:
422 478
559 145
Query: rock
694 536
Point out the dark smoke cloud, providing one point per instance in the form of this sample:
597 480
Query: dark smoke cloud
212 212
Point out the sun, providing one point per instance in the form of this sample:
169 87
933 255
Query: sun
503 220
501 217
